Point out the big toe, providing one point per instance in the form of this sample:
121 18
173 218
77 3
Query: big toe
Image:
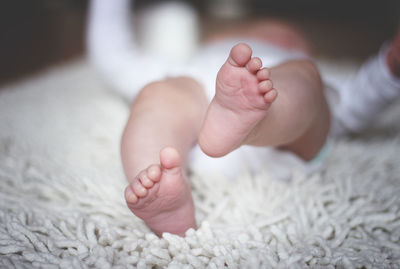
240 54
170 158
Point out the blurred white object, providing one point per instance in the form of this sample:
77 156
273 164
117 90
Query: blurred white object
169 29
279 164
365 96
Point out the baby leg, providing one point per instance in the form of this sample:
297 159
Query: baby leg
375 86
247 110
165 116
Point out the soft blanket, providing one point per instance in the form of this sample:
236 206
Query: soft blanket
62 205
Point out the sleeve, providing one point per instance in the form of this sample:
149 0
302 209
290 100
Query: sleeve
112 49
365 96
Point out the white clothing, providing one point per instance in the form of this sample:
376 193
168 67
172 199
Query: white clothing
115 53
372 89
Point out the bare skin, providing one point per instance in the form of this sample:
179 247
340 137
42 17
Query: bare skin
247 109
161 195
165 113
393 56
282 106
244 109
243 95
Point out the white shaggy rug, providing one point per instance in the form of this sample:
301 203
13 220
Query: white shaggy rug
62 206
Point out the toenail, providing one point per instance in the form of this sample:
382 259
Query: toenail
257 62
254 65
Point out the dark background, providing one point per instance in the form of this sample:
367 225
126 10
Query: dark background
40 33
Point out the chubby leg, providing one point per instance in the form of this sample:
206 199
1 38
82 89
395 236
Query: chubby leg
299 120
165 116
283 106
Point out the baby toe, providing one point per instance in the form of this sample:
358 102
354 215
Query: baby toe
146 181
265 86
263 74
130 196
270 96
138 188
154 173
240 54
254 65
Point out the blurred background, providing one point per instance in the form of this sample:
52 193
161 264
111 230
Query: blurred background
37 34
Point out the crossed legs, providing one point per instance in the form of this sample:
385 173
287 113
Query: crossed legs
283 106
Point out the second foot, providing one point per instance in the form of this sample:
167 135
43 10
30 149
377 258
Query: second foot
244 93
161 196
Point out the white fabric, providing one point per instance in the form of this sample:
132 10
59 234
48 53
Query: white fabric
365 96
168 29
62 204
114 51
208 60
133 72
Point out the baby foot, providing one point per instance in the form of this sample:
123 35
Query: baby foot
161 196
243 95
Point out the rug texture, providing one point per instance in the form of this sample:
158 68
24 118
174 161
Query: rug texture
62 205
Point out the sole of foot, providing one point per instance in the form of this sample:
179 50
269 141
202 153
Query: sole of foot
244 93
161 195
